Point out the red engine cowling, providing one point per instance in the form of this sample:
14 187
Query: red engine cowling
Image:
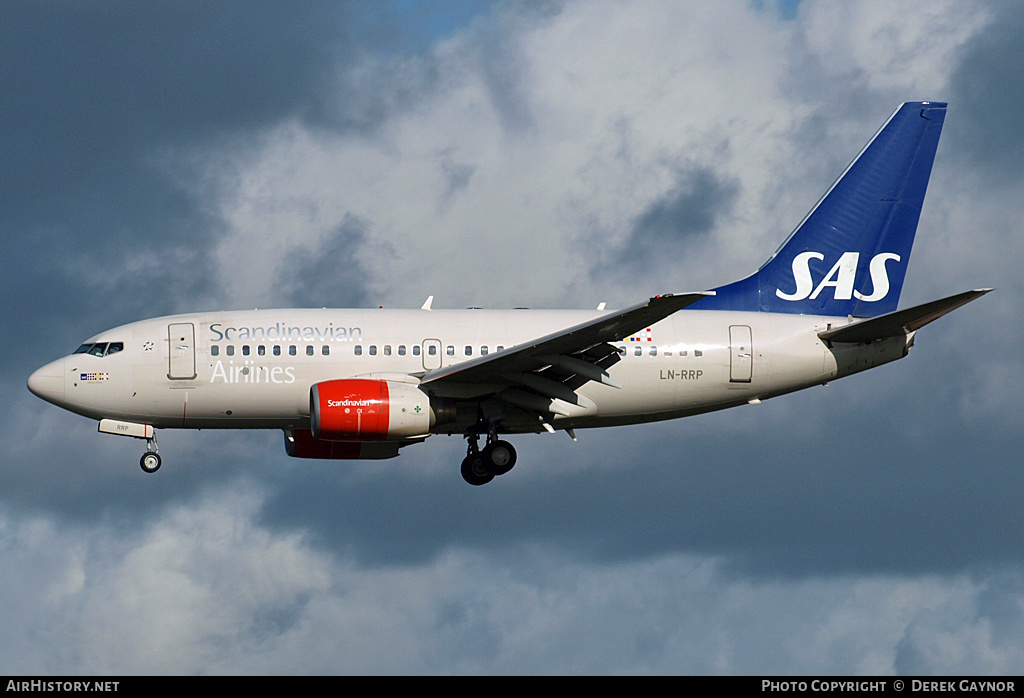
358 409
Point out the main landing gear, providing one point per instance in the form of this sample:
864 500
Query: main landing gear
150 460
481 466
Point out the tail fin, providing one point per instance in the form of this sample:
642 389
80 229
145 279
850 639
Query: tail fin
849 255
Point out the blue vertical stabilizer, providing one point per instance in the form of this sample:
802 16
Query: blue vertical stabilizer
849 255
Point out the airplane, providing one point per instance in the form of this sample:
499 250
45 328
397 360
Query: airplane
365 383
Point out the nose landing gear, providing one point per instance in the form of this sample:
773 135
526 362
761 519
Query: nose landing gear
150 460
480 467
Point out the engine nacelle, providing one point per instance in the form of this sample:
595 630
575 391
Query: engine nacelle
359 409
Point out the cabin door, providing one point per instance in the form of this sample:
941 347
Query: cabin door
182 345
741 354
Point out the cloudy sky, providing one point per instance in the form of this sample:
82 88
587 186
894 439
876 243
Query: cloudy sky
165 157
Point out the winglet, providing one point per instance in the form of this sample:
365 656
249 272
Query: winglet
426 304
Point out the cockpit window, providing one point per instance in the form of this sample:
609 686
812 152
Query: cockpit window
101 348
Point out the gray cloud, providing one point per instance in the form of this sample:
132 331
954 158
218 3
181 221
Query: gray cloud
986 90
95 95
677 223
975 634
699 197
457 176
332 274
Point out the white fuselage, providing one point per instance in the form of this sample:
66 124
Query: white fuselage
254 369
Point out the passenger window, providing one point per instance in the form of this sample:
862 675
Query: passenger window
245 350
432 350
450 350
401 350
358 349
291 350
654 351
622 351
326 350
373 350
387 350
261 350
469 350
309 350
698 352
416 350
499 348
230 350
638 351
277 350
214 350
483 350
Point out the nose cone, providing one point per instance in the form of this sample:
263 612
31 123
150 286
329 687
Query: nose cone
48 382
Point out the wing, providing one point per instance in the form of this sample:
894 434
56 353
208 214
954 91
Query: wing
542 375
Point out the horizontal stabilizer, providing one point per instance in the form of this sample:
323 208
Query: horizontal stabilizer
901 322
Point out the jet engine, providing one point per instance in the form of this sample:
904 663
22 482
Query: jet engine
359 409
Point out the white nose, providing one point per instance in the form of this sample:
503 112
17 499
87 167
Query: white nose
48 382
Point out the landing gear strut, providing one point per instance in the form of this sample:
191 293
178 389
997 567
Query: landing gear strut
150 460
496 458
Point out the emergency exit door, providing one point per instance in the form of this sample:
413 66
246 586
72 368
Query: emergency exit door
182 344
431 354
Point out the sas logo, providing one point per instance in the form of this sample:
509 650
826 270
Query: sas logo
840 278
